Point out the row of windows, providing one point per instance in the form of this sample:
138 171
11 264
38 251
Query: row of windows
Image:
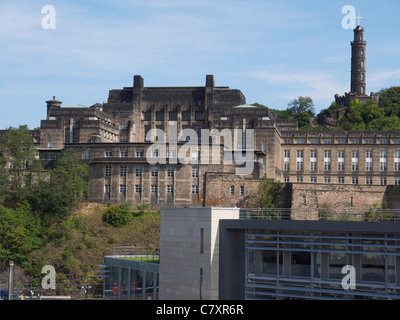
140 154
153 169
340 180
342 141
340 158
153 188
173 116
241 190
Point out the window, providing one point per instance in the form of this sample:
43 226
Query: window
397 160
86 154
368 180
313 179
123 126
287 141
313 141
195 172
124 114
355 141
327 141
341 141
108 171
147 133
299 179
368 160
160 116
199 116
139 153
122 171
122 188
340 180
383 160
107 188
286 179
354 160
313 160
108 153
49 144
173 116
264 147
397 181
154 171
299 141
341 160
354 180
195 155
195 189
383 181
124 153
327 160
286 160
383 141
170 171
369 141
170 188
232 189
171 154
138 171
186 116
138 188
147 116
299 162
327 180
242 190
153 188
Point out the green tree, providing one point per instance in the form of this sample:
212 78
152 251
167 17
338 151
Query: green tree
268 194
353 119
20 233
389 100
300 105
66 185
17 161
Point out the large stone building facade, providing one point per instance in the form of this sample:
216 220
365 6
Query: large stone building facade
201 146
189 164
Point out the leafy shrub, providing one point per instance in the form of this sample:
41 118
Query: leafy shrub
117 216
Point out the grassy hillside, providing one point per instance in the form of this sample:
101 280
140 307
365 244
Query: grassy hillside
77 246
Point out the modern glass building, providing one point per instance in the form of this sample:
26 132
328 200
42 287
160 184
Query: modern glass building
312 264
289 259
131 274
234 254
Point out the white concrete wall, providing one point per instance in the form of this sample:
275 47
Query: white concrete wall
180 257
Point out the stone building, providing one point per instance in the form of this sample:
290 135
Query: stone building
202 146
130 160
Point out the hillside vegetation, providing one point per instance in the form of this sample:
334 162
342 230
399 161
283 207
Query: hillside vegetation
76 247
384 115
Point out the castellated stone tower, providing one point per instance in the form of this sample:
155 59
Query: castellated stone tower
358 83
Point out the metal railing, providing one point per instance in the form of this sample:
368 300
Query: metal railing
324 214
137 253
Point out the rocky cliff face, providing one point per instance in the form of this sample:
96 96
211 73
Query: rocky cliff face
331 117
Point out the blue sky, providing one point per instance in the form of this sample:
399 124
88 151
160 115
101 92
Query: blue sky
273 51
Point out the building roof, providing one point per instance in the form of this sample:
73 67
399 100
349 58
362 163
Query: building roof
75 106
